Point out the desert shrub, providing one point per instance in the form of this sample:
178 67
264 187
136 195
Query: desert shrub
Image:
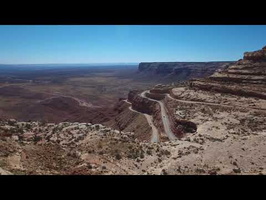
42 123
99 146
55 129
149 152
141 155
18 172
37 139
166 152
237 170
199 171
118 156
28 126
20 138
2 163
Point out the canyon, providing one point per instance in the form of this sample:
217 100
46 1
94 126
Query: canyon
211 124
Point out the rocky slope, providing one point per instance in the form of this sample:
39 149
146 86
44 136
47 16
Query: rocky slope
245 78
129 121
222 118
221 146
64 148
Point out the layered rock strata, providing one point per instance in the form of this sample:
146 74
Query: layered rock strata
247 77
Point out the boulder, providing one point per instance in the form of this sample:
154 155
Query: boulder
15 137
12 122
4 172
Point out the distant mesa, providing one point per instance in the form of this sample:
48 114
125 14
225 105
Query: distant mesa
181 70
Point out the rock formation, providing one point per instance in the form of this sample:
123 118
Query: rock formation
224 116
247 77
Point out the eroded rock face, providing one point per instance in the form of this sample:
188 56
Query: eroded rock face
250 69
129 121
256 56
245 78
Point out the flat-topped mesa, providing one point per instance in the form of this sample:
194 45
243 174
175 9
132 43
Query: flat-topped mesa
180 71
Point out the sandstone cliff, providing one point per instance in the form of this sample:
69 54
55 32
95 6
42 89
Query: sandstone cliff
247 77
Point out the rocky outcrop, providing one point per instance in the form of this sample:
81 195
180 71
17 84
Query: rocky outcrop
129 121
247 77
256 56
244 91
4 172
250 69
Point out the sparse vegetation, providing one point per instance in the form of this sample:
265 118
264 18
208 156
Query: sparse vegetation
225 137
118 156
28 126
237 170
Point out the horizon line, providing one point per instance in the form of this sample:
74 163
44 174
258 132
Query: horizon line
103 63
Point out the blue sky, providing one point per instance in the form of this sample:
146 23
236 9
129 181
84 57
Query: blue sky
127 43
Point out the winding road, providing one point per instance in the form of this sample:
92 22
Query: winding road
155 133
214 104
165 118
196 102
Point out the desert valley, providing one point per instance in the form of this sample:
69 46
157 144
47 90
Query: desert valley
157 118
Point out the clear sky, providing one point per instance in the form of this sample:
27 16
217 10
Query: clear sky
116 43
